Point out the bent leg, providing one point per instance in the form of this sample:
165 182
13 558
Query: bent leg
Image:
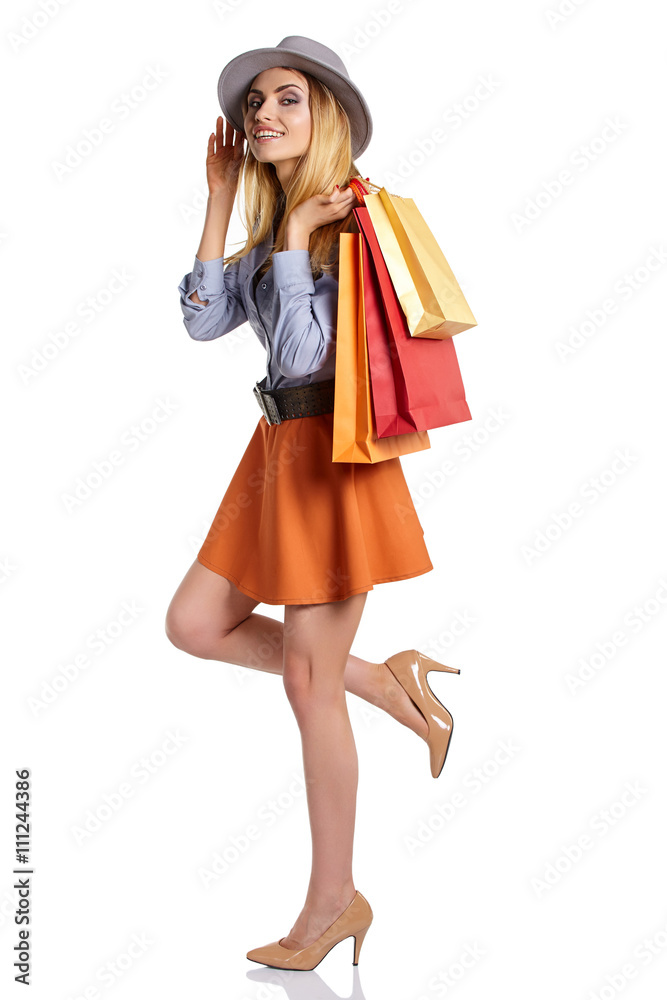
211 618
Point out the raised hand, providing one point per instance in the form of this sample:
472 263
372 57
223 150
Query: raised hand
224 158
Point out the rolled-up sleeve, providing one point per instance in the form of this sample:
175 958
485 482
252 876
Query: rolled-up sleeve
225 310
304 319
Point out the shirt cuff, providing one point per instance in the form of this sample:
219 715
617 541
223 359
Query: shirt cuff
292 267
207 277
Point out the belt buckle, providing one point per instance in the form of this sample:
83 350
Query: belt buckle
262 400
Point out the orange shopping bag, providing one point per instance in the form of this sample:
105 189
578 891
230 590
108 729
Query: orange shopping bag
354 434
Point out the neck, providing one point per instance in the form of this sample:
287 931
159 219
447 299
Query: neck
284 170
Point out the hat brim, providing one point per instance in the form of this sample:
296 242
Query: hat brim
239 73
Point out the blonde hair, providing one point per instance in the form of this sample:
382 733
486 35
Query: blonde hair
327 162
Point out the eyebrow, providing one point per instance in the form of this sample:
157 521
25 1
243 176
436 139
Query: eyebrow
284 87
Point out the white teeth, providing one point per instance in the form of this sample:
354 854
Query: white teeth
259 135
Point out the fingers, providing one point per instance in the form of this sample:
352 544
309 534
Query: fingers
232 135
225 135
239 139
342 201
343 196
345 200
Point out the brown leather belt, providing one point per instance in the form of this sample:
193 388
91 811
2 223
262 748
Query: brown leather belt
297 401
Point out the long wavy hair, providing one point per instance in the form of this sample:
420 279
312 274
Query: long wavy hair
327 162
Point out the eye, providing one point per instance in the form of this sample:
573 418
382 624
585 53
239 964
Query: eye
255 101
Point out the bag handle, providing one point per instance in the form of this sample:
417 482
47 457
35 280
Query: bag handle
359 188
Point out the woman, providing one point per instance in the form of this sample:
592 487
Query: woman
294 527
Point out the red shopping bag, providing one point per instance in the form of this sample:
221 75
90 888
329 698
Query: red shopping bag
427 389
388 414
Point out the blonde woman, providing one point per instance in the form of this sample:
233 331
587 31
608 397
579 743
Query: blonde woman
294 527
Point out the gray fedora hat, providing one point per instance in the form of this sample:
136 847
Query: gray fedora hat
309 56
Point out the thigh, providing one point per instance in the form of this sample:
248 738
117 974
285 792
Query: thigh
205 606
317 639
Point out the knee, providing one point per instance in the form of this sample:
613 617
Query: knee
307 692
177 630
296 682
187 633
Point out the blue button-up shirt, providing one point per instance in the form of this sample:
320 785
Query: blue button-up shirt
293 315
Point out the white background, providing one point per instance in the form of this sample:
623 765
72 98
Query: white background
500 880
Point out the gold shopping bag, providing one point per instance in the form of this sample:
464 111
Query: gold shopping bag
354 433
427 290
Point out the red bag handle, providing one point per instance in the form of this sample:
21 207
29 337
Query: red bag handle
359 188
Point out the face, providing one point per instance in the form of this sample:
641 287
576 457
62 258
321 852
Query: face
278 102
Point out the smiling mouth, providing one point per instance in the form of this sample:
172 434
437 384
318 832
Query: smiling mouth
266 138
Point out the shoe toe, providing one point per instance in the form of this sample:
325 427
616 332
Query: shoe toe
257 954
269 954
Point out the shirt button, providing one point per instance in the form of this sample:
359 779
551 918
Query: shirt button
202 286
263 286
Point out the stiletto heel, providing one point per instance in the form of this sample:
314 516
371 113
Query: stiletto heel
354 921
410 668
430 664
358 941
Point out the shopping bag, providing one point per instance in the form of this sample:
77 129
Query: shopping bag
354 435
429 294
389 415
416 382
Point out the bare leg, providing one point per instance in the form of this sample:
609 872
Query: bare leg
315 657
211 618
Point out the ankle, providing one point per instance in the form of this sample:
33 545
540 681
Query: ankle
394 700
330 898
390 695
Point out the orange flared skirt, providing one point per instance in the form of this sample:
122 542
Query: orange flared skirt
294 527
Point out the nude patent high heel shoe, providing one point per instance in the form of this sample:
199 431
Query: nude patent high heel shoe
410 668
354 921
